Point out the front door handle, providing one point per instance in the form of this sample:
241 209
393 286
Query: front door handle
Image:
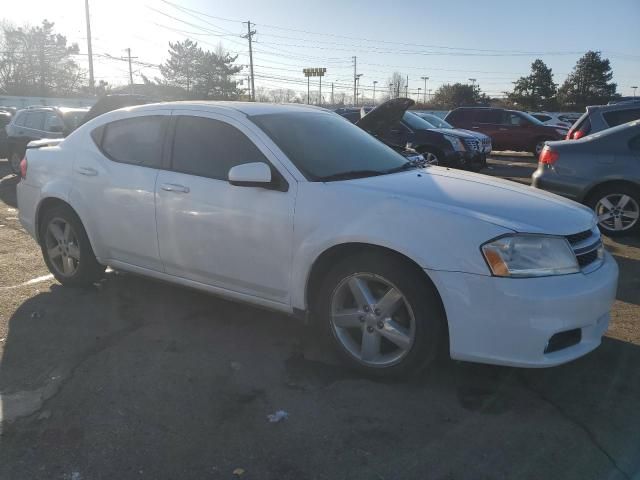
475 128
503 129
88 171
172 187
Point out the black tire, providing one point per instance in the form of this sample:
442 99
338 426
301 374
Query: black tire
14 161
616 191
435 153
87 269
430 321
534 148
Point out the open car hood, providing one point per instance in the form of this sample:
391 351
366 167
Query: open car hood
384 116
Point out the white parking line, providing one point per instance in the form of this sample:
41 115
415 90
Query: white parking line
33 281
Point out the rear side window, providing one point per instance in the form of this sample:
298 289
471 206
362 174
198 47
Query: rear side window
489 116
621 116
20 119
35 120
137 141
210 148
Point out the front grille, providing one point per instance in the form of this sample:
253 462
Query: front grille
563 340
472 143
579 237
587 259
587 246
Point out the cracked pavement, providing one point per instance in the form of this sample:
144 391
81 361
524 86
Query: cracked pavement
138 379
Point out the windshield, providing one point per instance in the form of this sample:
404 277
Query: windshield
435 120
531 118
325 147
415 122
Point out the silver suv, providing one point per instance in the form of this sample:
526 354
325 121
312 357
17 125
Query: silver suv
601 117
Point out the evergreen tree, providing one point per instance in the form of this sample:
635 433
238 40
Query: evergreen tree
589 83
536 91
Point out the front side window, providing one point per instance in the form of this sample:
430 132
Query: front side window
511 118
210 148
324 147
137 141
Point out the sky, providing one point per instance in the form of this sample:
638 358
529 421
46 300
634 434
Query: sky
494 42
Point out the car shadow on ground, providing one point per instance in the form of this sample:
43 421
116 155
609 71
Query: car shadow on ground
136 378
8 183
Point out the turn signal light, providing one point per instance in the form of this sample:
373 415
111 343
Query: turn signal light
548 156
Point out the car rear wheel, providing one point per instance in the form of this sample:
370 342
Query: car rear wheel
537 149
618 210
385 318
14 162
66 248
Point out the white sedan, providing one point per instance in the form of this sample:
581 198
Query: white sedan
294 209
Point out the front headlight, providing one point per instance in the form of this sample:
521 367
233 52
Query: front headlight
456 143
523 255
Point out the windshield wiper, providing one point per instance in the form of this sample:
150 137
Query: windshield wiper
410 165
351 174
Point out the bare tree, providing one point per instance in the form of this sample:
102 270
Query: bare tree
396 84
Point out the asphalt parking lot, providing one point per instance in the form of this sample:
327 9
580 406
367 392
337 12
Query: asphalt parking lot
144 380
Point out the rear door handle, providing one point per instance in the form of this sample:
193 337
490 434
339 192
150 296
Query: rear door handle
172 187
88 171
475 128
503 129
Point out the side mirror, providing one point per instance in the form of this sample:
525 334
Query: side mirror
256 174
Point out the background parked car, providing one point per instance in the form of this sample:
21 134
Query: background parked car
508 129
564 120
5 118
602 171
394 125
437 122
37 123
601 117
109 103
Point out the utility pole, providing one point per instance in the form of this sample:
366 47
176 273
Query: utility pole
418 96
375 82
473 85
634 90
320 93
355 81
129 57
92 82
425 88
249 85
406 88
332 102
249 35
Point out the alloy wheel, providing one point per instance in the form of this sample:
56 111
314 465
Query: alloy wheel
62 247
430 158
372 320
617 212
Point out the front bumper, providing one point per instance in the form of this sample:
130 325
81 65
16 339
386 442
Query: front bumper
509 322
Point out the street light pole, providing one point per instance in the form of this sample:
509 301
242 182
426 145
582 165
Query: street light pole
425 88
375 82
634 88
418 99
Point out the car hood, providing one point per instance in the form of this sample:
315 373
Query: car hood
385 115
500 202
453 132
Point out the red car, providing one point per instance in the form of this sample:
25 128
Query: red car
508 129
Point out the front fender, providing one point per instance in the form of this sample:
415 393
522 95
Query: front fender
433 238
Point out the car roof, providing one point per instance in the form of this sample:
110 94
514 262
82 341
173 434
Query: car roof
247 108
615 106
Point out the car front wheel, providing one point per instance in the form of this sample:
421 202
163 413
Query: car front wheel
618 210
385 317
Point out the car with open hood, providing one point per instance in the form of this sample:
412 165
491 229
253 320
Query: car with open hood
292 208
485 146
392 123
